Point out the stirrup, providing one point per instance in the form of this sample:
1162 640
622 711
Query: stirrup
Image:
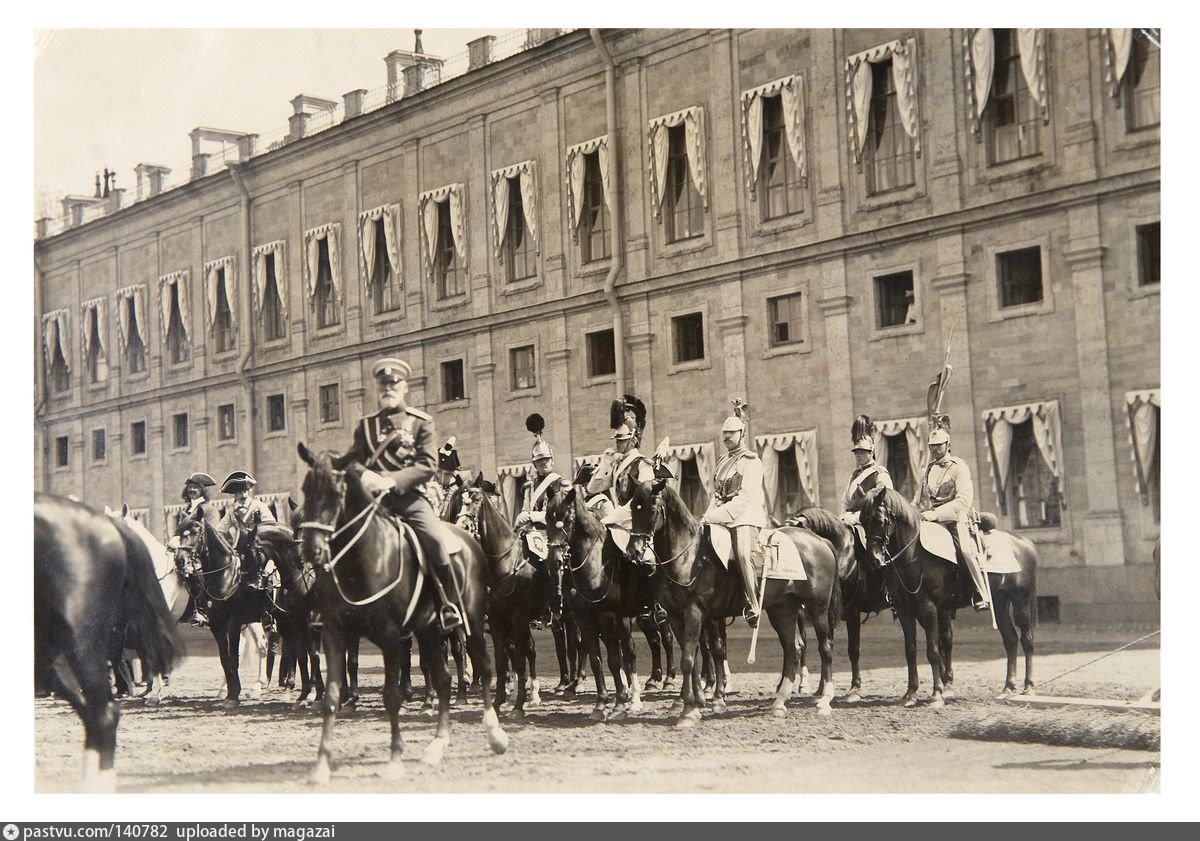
450 617
750 616
199 620
979 603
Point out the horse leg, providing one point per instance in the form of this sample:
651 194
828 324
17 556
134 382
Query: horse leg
432 651
335 654
405 652
392 702
520 631
233 681
823 626
611 632
629 654
946 647
82 678
481 666
650 631
853 650
720 657
927 615
693 697
1008 635
1024 605
499 628
560 651
908 623
460 668
535 686
255 639
352 643
668 643
590 636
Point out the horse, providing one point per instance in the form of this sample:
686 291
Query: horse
694 588
92 578
516 597
602 591
366 578
861 584
928 589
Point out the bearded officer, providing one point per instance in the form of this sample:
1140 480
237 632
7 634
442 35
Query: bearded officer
738 500
868 474
396 446
197 492
946 496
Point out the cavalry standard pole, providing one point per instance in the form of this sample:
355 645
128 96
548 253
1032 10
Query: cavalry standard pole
762 594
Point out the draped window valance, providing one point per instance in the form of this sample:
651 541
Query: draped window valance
702 454
279 505
1047 433
526 174
273 252
214 281
92 310
1118 43
332 234
577 169
915 432
979 55
136 296
903 55
507 477
805 446
55 325
692 119
428 202
177 281
390 214
1142 412
790 90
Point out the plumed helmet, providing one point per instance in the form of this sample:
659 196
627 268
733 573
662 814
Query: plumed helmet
448 455
236 481
741 415
866 443
939 436
623 431
733 424
631 412
541 450
536 424
862 434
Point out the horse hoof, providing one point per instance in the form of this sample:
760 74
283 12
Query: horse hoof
152 701
1028 690
320 774
229 703
719 707
685 723
853 697
517 713
637 706
497 740
598 714
778 711
708 694
651 685
937 702
428 711
434 752
908 701
948 693
676 707
534 700
823 708
302 704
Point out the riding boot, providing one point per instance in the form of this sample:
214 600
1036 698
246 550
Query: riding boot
966 547
746 568
450 613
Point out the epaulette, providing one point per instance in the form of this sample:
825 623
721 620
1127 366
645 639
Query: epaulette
417 413
749 454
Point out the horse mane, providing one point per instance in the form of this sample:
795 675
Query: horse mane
675 507
822 522
903 511
493 514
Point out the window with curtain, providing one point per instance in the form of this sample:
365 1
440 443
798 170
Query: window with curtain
97 362
900 447
519 254
135 348
780 192
786 319
791 493
274 323
1153 477
1143 415
511 481
595 222
226 430
1148 254
899 467
789 472
1013 116
691 488
1032 489
523 368
385 286
683 211
177 340
889 155
330 403
1025 454
447 269
223 320
328 313
1142 81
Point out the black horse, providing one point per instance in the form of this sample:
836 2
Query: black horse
367 579
92 579
928 589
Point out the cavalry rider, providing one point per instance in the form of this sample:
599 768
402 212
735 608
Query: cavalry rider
447 482
868 474
396 447
533 511
196 492
738 500
629 468
239 526
946 496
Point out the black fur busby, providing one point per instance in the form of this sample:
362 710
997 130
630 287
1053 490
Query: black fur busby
628 407
535 423
863 427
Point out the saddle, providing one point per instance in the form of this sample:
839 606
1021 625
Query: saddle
998 555
536 543
619 523
772 549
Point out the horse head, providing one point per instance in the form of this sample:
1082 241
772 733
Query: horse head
560 528
646 505
324 491
878 518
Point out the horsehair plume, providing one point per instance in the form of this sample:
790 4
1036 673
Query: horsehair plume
638 408
616 414
863 427
741 409
535 423
939 421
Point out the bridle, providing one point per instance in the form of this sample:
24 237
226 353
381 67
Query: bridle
889 535
200 549
567 526
657 522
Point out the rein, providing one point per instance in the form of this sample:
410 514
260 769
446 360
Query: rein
665 564
596 544
891 561
369 512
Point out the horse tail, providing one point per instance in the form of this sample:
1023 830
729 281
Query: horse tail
146 608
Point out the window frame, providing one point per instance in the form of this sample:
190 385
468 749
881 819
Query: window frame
792 184
534 389
386 287
179 345
705 361
99 434
133 436
677 159
894 130
323 420
1011 487
1129 93
446 260
1020 97
223 319
595 209
879 332
442 381
273 317
511 254
127 353
62 452
186 428
269 402
1140 258
589 338
992 255
801 318
325 294
222 440
96 360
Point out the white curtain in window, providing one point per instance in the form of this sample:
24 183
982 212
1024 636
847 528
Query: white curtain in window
54 335
390 214
692 120
452 193
212 274
703 456
914 431
177 281
526 175
1116 57
1047 434
577 169
979 58
507 477
273 252
136 296
903 55
1032 43
790 90
93 309
1142 409
312 239
805 445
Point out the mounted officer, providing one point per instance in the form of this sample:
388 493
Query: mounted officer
196 492
946 496
239 526
531 522
447 483
622 467
396 447
868 474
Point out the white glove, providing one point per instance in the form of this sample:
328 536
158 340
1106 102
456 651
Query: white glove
522 520
375 484
930 516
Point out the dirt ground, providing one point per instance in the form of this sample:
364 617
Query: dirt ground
192 744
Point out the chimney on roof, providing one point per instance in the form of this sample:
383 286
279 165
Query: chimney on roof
98 195
304 107
480 52
353 103
534 37
409 73
245 145
150 180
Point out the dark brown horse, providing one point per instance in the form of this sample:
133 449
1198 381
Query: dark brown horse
92 579
928 589
368 580
695 588
602 590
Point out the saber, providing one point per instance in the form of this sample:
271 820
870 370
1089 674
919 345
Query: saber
762 594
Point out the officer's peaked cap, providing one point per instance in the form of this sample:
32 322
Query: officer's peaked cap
392 368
